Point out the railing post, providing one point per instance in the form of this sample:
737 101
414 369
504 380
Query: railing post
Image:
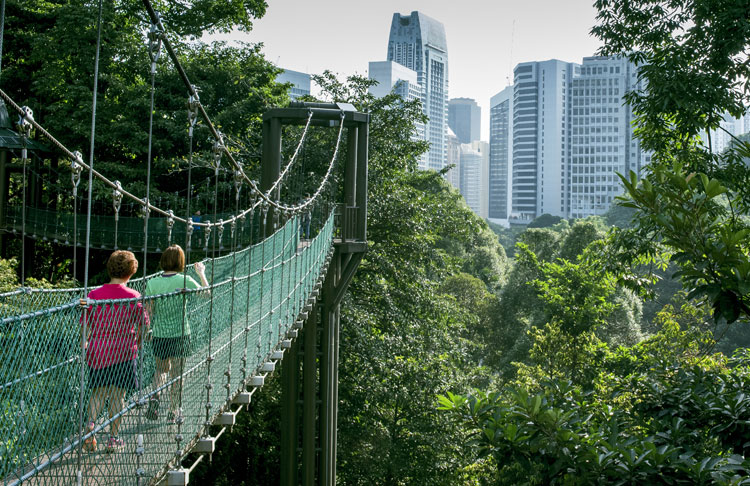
328 375
271 167
350 180
289 436
309 378
3 198
361 197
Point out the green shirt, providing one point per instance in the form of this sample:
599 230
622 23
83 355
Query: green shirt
166 313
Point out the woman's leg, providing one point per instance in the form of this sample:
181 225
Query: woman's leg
96 402
162 368
176 367
116 404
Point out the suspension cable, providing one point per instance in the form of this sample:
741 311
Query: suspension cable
88 233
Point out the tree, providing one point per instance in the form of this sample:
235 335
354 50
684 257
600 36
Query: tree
691 56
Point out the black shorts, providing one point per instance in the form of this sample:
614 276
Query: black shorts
120 375
175 347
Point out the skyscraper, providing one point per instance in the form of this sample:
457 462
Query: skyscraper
453 157
501 154
541 94
471 177
392 76
418 42
464 118
300 82
602 142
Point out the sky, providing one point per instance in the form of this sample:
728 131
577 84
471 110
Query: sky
486 38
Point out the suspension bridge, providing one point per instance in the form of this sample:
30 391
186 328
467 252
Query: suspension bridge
276 272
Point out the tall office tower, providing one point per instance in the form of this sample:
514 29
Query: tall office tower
392 76
300 82
471 176
484 176
418 42
453 157
464 118
602 142
721 138
541 94
501 155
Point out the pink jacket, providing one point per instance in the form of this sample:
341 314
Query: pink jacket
114 330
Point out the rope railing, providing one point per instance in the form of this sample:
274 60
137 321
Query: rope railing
79 165
257 294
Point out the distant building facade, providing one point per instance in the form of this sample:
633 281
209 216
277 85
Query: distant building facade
569 135
471 177
453 157
541 97
300 83
484 176
602 139
418 42
464 118
501 155
395 77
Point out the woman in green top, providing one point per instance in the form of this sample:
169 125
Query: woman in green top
171 332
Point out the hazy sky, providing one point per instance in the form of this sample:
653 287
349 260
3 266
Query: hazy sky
344 35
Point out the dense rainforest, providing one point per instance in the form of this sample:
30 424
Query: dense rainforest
610 350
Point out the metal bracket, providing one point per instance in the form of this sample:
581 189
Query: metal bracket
268 367
244 398
278 354
257 381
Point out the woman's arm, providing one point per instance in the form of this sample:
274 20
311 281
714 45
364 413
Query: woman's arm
200 269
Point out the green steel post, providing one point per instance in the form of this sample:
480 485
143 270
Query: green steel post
4 184
328 385
362 156
350 180
271 163
289 430
310 375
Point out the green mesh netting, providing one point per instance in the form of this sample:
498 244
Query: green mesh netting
228 332
58 227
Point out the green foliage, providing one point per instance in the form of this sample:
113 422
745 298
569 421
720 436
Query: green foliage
683 210
656 414
545 221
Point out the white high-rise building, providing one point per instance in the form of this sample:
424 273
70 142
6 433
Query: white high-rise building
541 97
453 154
602 142
392 76
300 82
571 133
418 42
471 177
501 155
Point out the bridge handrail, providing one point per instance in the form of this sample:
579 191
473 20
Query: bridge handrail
41 365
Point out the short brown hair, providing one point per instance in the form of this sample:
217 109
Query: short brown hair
122 264
173 259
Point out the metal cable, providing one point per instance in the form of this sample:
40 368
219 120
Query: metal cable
88 230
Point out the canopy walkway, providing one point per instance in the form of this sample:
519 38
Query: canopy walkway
259 298
108 233
90 392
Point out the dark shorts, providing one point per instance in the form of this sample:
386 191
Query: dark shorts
121 375
176 347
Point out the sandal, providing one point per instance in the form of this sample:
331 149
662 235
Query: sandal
152 413
89 445
114 444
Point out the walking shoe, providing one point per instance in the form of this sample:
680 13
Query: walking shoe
114 444
89 445
152 413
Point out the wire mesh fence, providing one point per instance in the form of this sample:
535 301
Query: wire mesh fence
115 391
126 233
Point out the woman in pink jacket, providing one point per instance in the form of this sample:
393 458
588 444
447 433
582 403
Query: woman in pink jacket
113 334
